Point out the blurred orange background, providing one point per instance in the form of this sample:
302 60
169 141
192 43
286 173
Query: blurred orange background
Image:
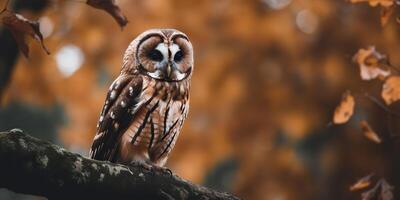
268 75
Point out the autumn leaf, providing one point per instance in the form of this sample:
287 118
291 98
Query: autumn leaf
371 63
20 27
345 110
111 7
361 183
391 90
369 133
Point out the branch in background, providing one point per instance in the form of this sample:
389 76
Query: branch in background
32 166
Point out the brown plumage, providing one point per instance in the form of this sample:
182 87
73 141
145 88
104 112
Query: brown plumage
148 102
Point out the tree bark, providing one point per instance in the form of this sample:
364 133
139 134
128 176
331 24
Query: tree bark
32 166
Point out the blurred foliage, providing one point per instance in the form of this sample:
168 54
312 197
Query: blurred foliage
268 76
41 122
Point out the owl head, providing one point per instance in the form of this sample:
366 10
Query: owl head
162 54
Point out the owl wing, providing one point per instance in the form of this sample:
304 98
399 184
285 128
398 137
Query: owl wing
120 107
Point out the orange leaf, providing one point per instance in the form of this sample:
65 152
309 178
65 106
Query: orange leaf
361 183
345 110
19 27
369 133
111 7
391 90
371 63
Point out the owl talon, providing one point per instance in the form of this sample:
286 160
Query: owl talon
162 169
169 171
145 165
151 167
165 170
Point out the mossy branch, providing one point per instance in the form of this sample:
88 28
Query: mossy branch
32 166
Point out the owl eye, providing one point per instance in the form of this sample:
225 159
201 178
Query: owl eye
178 56
155 55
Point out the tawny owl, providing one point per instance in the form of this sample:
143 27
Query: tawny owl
148 102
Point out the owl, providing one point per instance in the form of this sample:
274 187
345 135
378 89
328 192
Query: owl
148 102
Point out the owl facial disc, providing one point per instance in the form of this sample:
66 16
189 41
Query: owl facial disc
167 62
166 56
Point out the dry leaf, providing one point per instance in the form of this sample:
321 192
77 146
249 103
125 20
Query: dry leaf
345 110
19 27
371 63
111 7
369 133
362 183
391 90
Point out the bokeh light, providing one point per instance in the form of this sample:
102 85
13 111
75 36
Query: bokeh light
46 26
277 4
69 59
307 21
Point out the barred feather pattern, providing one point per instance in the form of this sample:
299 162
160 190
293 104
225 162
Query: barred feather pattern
147 104
146 119
153 133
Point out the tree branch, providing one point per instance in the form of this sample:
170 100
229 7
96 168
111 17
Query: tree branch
32 166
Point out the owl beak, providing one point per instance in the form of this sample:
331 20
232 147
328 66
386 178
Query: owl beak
169 69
